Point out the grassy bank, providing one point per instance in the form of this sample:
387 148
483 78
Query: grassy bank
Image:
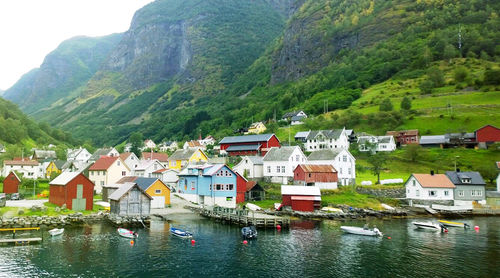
51 211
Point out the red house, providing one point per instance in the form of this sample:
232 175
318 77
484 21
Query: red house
404 137
301 198
241 188
73 189
324 176
11 183
249 144
486 135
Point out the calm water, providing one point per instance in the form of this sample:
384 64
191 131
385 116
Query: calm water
308 249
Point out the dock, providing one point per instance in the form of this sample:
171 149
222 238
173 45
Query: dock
243 217
20 241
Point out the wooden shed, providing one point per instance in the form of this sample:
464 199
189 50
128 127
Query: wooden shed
323 176
301 198
73 189
130 200
11 183
254 192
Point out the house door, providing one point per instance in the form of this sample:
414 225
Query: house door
79 203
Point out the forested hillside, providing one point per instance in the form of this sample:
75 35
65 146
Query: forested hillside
210 67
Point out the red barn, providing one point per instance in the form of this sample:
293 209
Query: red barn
241 187
11 183
488 134
324 176
73 189
249 144
404 137
301 198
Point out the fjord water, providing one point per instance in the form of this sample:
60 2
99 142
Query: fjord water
307 249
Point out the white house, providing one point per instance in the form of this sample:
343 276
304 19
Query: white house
80 154
107 170
168 146
326 139
289 116
498 177
130 159
146 167
429 187
29 168
341 159
376 143
169 177
279 163
252 166
103 152
149 144
209 140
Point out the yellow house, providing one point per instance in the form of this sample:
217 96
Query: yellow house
156 189
256 128
54 166
181 158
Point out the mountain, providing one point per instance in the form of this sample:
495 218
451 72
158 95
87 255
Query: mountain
190 67
64 70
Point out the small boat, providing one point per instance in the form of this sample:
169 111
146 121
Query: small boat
429 225
249 232
454 224
56 232
180 233
361 231
127 233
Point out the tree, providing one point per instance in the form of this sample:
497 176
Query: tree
413 152
406 103
386 105
449 52
426 86
460 74
488 172
136 139
492 77
436 76
377 161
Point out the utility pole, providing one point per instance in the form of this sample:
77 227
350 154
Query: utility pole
456 157
460 39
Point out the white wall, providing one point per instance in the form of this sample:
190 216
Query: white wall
415 191
270 168
342 142
253 170
344 163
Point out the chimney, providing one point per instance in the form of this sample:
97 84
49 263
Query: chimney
432 172
458 170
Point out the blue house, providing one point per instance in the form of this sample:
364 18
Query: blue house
208 185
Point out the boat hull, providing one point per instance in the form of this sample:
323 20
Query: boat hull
453 224
360 231
56 232
180 233
427 226
249 232
127 233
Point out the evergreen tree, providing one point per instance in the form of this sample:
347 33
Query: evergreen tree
386 105
136 139
406 103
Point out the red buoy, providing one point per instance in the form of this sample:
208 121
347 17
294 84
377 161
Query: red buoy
388 237
245 242
278 227
193 242
131 242
476 228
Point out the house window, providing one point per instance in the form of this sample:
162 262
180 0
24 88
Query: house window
466 180
432 193
417 193
479 193
118 163
218 187
473 192
282 169
413 181
278 169
102 182
124 173
408 191
158 191
460 193
344 158
297 157
192 185
269 169
309 174
341 171
210 187
446 193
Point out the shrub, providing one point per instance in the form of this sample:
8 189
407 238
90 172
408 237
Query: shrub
460 74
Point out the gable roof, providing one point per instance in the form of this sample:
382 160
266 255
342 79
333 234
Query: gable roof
256 160
183 154
127 179
328 154
434 181
44 154
486 126
456 178
64 178
280 154
194 143
214 169
21 162
145 183
300 190
104 163
330 134
247 138
100 152
144 164
15 175
59 163
125 188
302 134
124 156
310 168
433 139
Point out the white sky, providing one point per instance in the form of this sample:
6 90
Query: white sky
30 29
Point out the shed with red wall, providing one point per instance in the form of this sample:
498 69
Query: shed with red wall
488 134
63 190
11 183
241 186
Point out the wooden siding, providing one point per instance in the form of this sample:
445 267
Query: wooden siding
64 194
133 203
241 186
159 185
488 134
11 184
300 175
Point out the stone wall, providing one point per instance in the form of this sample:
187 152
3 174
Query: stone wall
389 192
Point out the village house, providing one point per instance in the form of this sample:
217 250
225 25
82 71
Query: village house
193 144
279 163
461 139
376 143
289 115
161 157
167 176
433 141
209 140
2 148
148 144
11 183
54 167
241 187
108 189
40 155
341 160
248 144
103 152
487 135
159 192
469 187
301 198
181 158
250 167
256 128
28 168
145 168
169 146
208 185
351 136
326 139
76 166
130 200
301 136
404 137
130 159
73 189
107 170
322 176
254 192
429 189
80 154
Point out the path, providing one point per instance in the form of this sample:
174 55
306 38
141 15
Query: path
26 203
177 207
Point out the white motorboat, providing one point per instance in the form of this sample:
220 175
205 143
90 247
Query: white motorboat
361 231
428 225
56 232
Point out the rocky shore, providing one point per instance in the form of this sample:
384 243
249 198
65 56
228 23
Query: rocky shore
345 212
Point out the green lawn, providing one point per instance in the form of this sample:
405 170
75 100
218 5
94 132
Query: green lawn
51 211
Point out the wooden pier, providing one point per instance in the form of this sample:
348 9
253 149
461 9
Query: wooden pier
20 241
243 217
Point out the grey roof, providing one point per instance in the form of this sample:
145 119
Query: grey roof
290 114
64 178
256 160
59 163
246 138
297 118
349 132
45 154
279 154
328 154
469 135
183 154
330 134
243 148
100 152
433 139
456 177
145 183
384 139
302 134
123 189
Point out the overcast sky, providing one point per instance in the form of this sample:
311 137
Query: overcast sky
30 29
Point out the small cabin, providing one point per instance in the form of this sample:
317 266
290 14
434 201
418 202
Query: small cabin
301 198
130 200
254 192
11 183
73 189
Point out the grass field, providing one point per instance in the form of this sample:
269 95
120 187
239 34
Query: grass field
51 211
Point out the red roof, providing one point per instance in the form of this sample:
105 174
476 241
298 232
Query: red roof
21 162
308 168
124 156
151 156
160 171
435 181
250 185
103 163
127 179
